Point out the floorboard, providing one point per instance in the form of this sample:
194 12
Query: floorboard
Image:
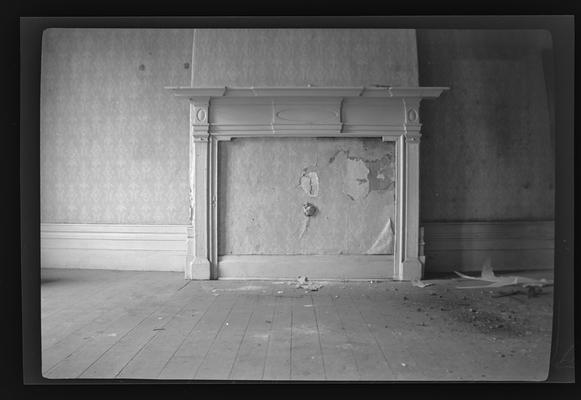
95 347
338 356
251 358
156 353
219 360
61 345
111 362
277 365
139 325
111 296
369 357
188 357
306 354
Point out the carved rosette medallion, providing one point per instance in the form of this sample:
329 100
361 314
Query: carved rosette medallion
199 117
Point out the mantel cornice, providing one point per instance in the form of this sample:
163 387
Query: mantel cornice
305 111
341 92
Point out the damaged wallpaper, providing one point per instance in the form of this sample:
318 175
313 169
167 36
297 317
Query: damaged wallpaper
265 185
113 142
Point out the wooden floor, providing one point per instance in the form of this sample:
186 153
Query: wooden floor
156 325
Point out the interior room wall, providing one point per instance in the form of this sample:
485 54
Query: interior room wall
114 143
487 151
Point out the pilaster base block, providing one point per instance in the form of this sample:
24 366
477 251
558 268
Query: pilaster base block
411 269
198 268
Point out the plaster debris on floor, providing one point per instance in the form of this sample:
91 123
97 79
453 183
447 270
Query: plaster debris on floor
304 283
421 284
436 333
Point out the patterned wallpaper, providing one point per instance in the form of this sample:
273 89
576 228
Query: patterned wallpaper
298 57
487 151
114 143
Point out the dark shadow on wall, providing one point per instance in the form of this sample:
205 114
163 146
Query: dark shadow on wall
487 150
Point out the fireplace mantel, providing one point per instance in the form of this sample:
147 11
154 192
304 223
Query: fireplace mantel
223 113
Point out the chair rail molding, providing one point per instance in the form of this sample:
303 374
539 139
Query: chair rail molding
223 113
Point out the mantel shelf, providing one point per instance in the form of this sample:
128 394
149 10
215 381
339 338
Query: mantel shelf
312 91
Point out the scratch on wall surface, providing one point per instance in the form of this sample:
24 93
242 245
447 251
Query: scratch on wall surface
305 227
384 242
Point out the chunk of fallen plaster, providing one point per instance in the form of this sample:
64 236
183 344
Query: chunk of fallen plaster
421 284
384 242
304 283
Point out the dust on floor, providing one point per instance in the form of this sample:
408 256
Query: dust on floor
370 330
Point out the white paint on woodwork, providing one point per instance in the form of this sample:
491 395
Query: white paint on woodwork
111 246
385 118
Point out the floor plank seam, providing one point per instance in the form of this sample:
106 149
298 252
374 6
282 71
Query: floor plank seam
243 336
186 336
291 341
101 314
348 337
159 308
319 337
269 338
373 336
113 316
214 340
153 336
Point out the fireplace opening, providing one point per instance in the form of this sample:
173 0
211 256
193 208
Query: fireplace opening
264 184
281 199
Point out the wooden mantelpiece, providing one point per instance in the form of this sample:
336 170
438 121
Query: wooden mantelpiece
223 113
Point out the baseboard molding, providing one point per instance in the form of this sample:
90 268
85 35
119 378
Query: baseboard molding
464 246
448 247
313 266
109 246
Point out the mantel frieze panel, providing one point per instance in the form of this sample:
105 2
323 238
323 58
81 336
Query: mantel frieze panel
311 115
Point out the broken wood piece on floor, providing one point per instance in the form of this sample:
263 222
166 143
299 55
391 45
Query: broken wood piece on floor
487 275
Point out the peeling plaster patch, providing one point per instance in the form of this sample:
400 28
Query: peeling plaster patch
384 242
355 183
309 182
380 173
368 175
